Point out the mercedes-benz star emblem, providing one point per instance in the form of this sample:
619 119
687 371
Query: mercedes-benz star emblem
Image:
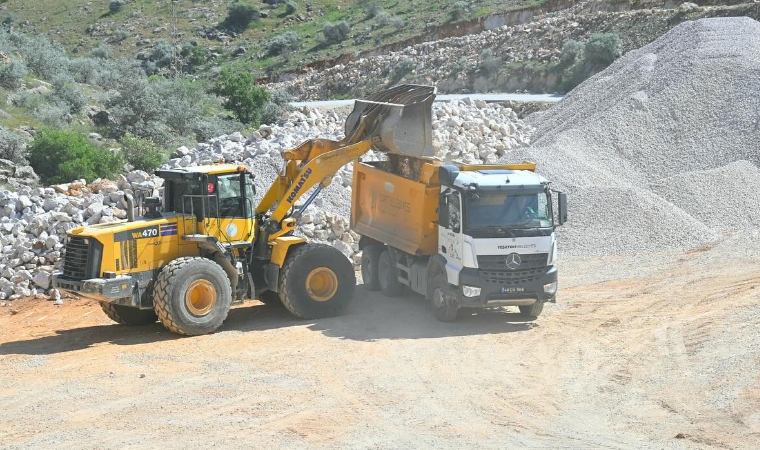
513 261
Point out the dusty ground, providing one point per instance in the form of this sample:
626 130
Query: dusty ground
670 359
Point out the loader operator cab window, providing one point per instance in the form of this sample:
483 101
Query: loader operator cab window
230 196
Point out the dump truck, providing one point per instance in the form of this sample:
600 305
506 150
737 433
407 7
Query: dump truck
183 259
461 235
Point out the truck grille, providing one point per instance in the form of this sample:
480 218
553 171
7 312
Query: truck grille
511 277
499 262
76 257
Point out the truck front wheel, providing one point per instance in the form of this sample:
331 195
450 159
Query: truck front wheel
192 296
441 300
533 310
127 315
386 275
370 260
316 281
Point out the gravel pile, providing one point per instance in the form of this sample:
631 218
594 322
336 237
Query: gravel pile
659 151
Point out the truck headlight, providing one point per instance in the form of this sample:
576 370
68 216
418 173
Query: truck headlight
470 291
551 288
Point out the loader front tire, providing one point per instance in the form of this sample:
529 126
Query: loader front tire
192 296
387 277
129 316
370 259
317 281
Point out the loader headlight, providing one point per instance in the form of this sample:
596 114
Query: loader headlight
550 288
470 291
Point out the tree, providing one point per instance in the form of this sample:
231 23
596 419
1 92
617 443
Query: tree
242 97
602 49
283 44
142 154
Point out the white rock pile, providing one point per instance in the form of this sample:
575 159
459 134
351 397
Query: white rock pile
660 151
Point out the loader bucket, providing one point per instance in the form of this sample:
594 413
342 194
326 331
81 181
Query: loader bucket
397 120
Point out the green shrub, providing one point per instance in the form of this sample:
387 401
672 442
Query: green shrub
120 35
184 103
459 10
102 51
372 10
242 97
602 49
216 126
136 108
142 154
67 94
12 75
284 43
274 2
43 58
59 156
57 116
162 53
572 51
335 33
115 6
290 7
397 23
12 146
382 19
278 104
240 15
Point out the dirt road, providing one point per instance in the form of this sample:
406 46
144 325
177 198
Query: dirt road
670 359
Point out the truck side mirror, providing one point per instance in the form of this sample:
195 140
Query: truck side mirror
562 203
443 211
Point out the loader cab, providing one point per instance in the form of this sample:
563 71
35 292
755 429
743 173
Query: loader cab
219 199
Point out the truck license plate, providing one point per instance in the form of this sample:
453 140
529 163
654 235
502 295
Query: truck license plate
507 290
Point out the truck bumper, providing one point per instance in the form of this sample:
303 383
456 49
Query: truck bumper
119 290
540 287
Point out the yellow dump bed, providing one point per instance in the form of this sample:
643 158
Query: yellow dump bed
400 211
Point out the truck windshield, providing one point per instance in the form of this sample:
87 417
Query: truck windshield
501 210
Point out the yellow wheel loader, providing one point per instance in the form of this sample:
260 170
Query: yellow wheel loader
188 256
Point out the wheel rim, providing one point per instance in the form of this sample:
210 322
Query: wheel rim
200 297
321 284
438 298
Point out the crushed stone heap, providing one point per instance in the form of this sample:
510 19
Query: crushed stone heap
660 139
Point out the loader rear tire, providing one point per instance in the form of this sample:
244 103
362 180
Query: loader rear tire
533 310
370 259
129 316
387 277
316 281
192 296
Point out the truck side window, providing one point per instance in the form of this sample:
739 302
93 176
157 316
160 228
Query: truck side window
455 212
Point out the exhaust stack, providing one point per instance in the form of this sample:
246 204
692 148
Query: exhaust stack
130 201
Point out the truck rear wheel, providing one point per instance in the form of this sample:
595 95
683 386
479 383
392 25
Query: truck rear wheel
533 310
192 296
386 275
316 281
370 259
127 315
444 308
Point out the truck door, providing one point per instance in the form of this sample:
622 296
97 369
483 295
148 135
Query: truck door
450 237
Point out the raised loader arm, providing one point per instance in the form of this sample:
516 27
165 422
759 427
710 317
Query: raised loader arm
397 120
